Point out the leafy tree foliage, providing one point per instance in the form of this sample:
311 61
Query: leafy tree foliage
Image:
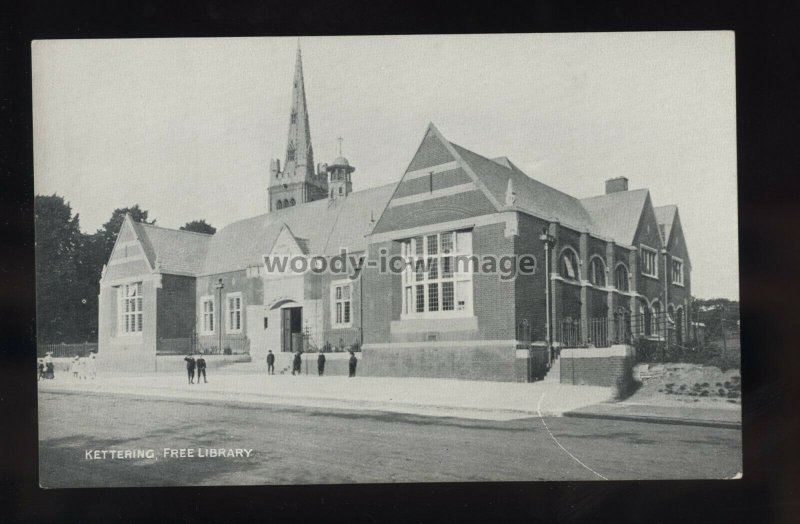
58 246
68 268
199 226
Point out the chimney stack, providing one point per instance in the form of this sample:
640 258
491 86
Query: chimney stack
615 185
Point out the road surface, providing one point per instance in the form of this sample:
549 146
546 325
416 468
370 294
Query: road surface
310 446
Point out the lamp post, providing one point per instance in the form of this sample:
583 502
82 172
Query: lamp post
219 285
548 240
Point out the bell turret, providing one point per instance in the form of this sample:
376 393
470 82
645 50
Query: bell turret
339 182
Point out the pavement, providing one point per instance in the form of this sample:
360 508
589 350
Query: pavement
247 384
484 400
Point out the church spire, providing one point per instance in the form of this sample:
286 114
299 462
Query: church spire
297 182
299 153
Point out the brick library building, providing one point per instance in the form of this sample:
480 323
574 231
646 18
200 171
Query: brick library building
606 270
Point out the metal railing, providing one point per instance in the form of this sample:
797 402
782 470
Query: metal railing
623 328
598 332
66 350
569 333
336 341
185 345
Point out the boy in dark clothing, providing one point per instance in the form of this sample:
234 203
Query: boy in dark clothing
270 363
296 364
353 363
321 364
190 365
201 369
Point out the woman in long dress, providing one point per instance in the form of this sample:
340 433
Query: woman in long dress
91 366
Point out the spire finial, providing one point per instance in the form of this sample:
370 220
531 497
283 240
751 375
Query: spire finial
340 139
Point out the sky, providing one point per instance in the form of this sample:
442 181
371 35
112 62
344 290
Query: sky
185 128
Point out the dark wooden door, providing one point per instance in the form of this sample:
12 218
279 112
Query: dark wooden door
286 329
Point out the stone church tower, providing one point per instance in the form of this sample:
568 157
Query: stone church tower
297 182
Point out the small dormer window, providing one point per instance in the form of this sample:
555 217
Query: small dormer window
294 117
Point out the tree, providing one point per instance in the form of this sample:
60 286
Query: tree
107 234
68 268
199 226
58 244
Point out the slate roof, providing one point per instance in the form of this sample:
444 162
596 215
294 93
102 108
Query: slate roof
617 214
531 195
665 216
322 228
177 252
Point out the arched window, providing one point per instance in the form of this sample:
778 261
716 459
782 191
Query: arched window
285 203
291 202
279 204
568 265
621 278
597 272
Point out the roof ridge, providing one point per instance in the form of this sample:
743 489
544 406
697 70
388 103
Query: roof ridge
514 168
628 191
483 157
176 230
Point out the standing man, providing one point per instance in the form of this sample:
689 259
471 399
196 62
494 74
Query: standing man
353 363
270 363
201 369
190 365
296 363
321 364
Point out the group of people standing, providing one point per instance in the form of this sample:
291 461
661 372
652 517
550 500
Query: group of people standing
297 363
83 368
45 367
198 364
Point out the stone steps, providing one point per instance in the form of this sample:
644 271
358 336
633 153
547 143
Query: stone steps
554 374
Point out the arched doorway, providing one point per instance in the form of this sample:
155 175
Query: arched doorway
291 325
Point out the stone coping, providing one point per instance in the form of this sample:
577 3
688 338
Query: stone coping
620 350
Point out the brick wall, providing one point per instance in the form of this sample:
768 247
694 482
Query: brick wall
493 299
529 292
609 367
176 307
461 361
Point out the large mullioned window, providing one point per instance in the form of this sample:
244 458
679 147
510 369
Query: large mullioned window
234 312
649 261
130 307
435 282
677 271
342 309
